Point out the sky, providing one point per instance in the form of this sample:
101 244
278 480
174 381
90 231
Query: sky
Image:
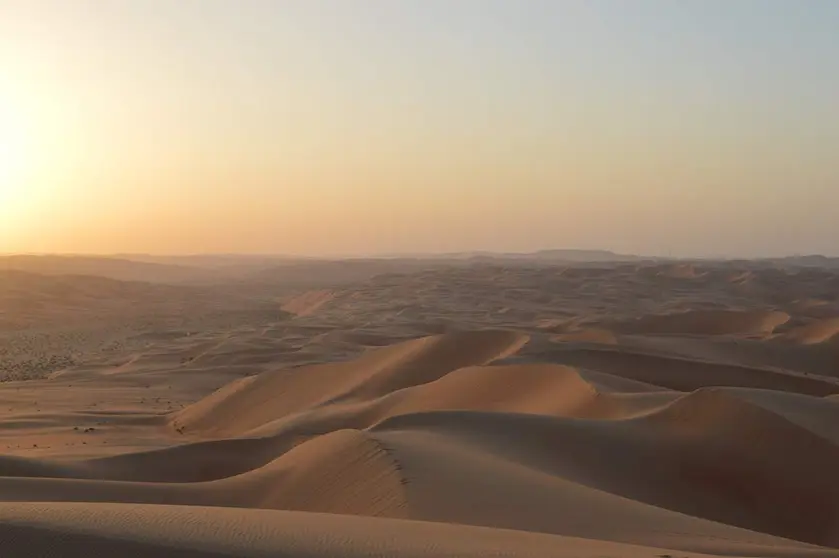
349 127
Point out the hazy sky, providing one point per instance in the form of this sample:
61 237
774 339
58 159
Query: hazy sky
353 126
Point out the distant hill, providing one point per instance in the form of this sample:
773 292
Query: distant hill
213 261
111 268
553 255
810 260
582 256
319 273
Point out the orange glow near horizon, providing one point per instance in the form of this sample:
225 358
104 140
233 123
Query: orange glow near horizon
15 161
178 128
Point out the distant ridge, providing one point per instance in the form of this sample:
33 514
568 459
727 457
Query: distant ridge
112 268
215 268
810 260
584 256
557 254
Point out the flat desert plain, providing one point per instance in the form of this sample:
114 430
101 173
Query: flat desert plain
471 407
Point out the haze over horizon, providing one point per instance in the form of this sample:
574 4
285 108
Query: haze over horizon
345 128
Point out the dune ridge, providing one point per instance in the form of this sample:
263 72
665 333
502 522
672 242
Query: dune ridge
706 322
819 331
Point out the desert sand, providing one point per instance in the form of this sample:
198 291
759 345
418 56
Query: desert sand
458 406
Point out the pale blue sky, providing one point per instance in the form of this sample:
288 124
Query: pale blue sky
684 127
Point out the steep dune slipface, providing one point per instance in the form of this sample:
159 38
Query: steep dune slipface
685 374
762 462
708 454
613 481
346 472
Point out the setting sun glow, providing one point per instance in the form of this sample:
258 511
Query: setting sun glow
13 153
15 165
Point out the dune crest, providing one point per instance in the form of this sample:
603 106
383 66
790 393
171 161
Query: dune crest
819 331
255 401
706 322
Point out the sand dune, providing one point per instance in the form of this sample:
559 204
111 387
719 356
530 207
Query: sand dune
113 529
308 302
680 271
252 402
633 410
815 332
685 374
590 335
600 481
705 322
